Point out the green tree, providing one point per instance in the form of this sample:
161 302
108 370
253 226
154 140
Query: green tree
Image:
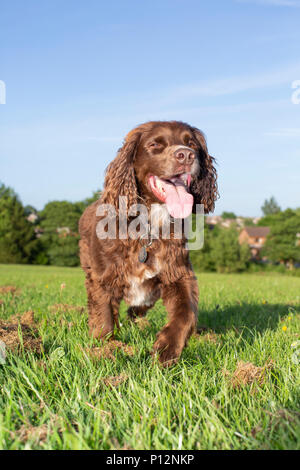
18 243
270 207
59 214
248 222
59 223
202 260
282 244
30 210
229 256
221 251
228 215
278 218
63 250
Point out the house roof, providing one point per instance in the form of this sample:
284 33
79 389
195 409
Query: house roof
257 231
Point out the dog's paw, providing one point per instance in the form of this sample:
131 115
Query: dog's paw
101 331
167 350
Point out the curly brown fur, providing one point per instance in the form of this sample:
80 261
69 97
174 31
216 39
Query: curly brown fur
113 271
205 189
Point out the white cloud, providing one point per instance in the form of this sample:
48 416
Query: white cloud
285 132
237 84
278 3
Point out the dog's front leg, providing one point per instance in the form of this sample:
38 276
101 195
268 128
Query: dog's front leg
181 302
101 310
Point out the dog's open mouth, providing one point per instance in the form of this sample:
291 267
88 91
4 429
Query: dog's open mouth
174 192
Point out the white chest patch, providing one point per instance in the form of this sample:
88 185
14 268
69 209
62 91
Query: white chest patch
140 292
138 295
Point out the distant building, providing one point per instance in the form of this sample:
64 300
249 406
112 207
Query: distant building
32 217
239 222
38 232
255 237
213 220
63 230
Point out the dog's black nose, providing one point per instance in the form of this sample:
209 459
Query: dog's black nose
185 155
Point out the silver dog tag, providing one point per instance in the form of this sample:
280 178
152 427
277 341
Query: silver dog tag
143 255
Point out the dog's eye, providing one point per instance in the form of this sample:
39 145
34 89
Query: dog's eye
155 145
191 143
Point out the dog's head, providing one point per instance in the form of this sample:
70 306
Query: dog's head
164 162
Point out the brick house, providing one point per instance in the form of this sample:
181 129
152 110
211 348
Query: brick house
255 237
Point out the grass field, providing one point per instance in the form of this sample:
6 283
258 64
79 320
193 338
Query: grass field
235 387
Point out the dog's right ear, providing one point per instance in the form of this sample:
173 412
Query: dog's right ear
120 177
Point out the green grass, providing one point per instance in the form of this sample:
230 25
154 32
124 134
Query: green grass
192 405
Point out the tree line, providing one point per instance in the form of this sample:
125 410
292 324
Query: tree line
50 236
222 251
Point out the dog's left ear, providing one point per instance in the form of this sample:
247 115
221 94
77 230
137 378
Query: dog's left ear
204 188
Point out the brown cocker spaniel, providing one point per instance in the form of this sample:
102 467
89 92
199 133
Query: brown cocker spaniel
161 163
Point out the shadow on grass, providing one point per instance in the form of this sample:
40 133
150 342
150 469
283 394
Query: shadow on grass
249 316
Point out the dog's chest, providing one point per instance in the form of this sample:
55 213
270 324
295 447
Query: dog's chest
141 286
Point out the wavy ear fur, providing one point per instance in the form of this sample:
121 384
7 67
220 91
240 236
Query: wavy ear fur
120 177
204 188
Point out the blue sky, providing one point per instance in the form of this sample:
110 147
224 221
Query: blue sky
80 74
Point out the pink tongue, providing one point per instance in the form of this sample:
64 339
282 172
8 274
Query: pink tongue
179 201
